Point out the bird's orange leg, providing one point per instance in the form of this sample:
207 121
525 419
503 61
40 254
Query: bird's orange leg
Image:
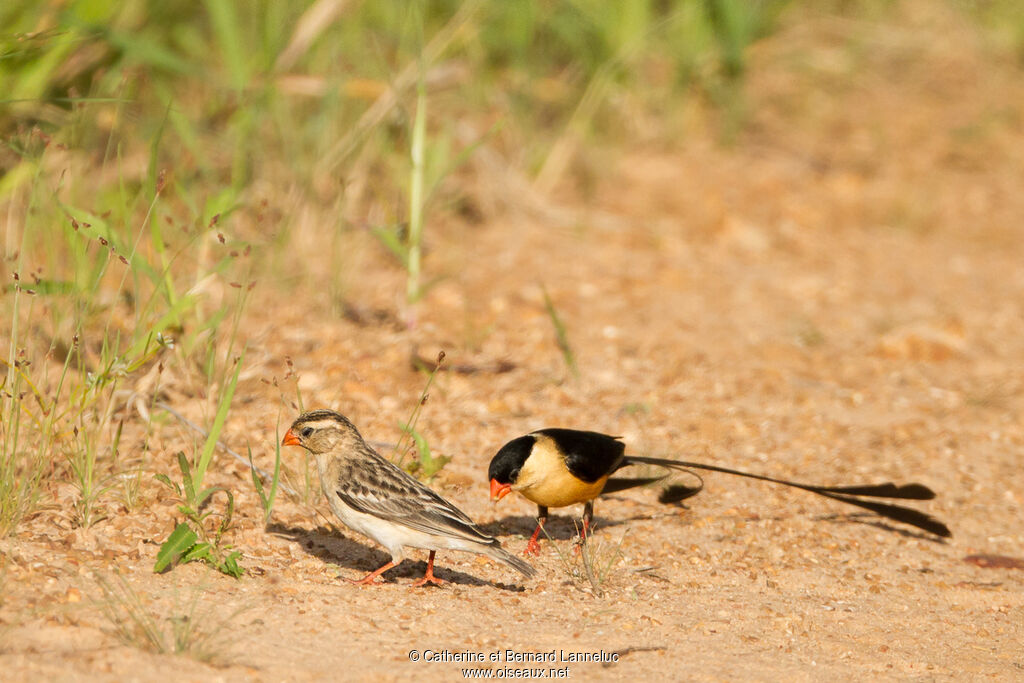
532 546
588 516
371 578
429 576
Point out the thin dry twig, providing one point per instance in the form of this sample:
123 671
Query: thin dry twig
313 22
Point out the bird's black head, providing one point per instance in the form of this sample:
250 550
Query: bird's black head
320 431
505 465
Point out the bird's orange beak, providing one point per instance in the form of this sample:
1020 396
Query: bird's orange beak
499 491
290 439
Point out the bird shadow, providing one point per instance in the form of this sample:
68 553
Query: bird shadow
557 527
329 546
567 527
867 519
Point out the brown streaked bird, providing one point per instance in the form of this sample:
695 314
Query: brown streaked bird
559 467
378 499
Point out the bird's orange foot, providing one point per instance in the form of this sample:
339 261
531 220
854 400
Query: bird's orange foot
532 548
431 579
428 576
371 578
368 580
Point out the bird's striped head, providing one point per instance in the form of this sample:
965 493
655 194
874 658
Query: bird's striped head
321 431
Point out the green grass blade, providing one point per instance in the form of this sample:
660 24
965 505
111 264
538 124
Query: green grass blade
218 423
257 482
561 335
416 195
225 25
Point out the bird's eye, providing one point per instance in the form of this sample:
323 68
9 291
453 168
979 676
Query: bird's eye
307 432
513 475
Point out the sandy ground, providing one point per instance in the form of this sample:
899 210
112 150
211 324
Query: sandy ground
836 298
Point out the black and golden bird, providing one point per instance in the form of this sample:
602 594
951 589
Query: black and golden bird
380 500
559 467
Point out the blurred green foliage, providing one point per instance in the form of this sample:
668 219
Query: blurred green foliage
282 80
231 85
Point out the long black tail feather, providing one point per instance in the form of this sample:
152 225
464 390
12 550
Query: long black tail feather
845 494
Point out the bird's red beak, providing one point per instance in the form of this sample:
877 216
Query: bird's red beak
290 439
499 491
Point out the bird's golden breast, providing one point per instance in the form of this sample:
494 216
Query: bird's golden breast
545 479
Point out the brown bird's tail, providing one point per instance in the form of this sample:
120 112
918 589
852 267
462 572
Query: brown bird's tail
499 553
850 495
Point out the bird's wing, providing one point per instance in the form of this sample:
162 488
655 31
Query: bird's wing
374 486
587 455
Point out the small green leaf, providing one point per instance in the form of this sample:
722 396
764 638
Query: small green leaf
421 444
179 542
229 512
206 494
164 479
187 511
435 465
186 478
200 551
230 565
428 465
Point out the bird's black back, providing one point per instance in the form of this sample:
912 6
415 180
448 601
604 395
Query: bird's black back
588 455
